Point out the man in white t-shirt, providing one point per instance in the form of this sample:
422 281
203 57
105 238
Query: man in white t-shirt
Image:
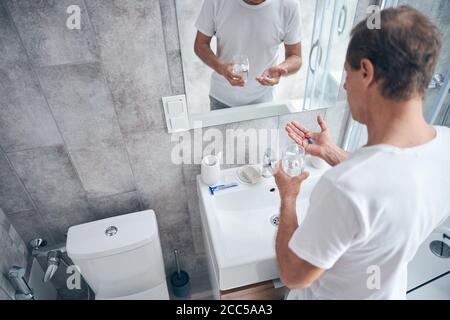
251 28
370 213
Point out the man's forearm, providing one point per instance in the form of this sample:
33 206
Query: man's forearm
292 64
286 228
335 155
205 53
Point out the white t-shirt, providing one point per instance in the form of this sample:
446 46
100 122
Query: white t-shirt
252 30
369 215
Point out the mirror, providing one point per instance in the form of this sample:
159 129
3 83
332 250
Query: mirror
251 36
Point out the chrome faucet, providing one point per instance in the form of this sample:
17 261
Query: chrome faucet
268 163
53 254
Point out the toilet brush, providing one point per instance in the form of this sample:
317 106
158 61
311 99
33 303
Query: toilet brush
179 280
177 262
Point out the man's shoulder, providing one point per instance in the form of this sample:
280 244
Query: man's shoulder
217 3
355 169
290 3
290 6
444 132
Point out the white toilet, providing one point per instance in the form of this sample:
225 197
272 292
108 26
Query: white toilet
120 257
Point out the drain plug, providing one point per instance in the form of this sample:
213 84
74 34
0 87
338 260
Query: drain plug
440 249
275 220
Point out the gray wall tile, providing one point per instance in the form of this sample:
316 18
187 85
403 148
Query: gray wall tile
42 27
11 257
81 104
82 107
12 253
14 236
169 24
4 222
223 138
190 172
3 295
25 121
197 235
158 180
30 225
12 194
133 55
103 171
118 204
176 72
267 126
53 184
193 205
173 51
7 288
4 238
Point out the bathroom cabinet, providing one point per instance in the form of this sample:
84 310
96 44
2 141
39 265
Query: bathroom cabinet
259 291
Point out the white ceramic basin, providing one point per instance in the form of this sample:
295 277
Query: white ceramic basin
239 235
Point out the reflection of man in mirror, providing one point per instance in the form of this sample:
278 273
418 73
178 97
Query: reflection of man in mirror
248 30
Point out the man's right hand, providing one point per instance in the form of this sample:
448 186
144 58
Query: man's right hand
226 70
322 146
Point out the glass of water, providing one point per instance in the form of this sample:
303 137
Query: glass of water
241 65
293 160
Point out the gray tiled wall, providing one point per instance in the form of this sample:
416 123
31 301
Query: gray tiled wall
13 252
82 132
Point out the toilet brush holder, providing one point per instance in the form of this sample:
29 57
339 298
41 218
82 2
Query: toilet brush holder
179 280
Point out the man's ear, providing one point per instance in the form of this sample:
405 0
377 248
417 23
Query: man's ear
368 72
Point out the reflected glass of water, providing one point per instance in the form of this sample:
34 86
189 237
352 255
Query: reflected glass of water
241 65
293 160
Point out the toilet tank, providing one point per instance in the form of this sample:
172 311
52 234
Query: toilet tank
119 256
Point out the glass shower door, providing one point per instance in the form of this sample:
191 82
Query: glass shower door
331 35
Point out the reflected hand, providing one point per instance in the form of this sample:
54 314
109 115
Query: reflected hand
272 76
322 141
226 70
289 187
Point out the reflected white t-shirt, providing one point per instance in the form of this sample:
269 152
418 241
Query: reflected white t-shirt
369 215
253 30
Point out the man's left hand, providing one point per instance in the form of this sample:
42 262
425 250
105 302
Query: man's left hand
272 76
289 187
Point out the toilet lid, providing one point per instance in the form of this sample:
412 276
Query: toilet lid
112 235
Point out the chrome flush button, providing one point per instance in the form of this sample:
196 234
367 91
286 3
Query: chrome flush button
111 231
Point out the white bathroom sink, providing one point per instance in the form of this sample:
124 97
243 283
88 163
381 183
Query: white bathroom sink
238 229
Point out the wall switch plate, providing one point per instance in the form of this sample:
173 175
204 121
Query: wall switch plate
176 113
175 108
